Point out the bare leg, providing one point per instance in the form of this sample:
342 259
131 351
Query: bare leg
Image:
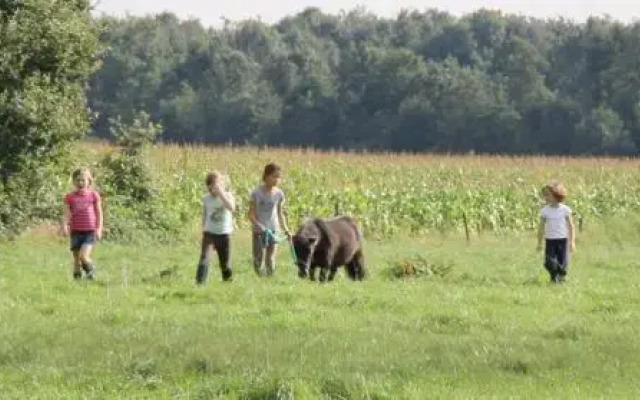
86 262
77 265
258 253
270 259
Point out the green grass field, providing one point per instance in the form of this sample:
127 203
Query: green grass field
492 327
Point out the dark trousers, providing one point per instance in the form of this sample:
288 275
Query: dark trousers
222 246
556 258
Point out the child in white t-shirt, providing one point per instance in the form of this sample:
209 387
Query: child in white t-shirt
556 226
217 224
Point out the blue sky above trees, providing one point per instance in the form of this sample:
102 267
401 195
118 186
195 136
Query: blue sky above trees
211 12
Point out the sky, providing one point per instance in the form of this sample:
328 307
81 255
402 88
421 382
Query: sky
211 12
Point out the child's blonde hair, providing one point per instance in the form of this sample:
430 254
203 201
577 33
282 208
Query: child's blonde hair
216 176
82 171
557 190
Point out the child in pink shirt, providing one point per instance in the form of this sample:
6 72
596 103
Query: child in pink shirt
83 222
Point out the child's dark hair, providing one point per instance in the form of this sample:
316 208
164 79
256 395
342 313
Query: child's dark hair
557 190
270 169
80 171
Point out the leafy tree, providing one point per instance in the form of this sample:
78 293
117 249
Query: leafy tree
138 69
602 131
428 81
47 52
624 78
127 173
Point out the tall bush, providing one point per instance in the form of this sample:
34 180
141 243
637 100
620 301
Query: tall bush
48 50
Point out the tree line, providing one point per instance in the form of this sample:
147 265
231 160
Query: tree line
422 81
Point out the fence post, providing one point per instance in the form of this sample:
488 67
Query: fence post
466 226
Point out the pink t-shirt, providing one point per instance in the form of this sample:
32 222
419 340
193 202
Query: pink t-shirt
83 210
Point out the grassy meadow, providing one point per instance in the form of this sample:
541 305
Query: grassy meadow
483 322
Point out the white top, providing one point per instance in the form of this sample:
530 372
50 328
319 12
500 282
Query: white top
216 217
555 221
266 207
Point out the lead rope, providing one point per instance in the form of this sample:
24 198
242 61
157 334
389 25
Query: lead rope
270 236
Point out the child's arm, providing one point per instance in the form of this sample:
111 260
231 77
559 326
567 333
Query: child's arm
204 214
227 199
252 215
99 217
66 216
282 218
571 231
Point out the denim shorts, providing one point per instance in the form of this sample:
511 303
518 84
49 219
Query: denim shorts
82 238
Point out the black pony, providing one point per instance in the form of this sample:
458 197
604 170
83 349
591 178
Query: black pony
328 244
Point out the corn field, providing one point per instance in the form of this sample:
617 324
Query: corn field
394 194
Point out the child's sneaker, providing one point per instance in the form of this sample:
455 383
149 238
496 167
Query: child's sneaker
89 270
91 275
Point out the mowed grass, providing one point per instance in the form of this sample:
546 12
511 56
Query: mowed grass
493 327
